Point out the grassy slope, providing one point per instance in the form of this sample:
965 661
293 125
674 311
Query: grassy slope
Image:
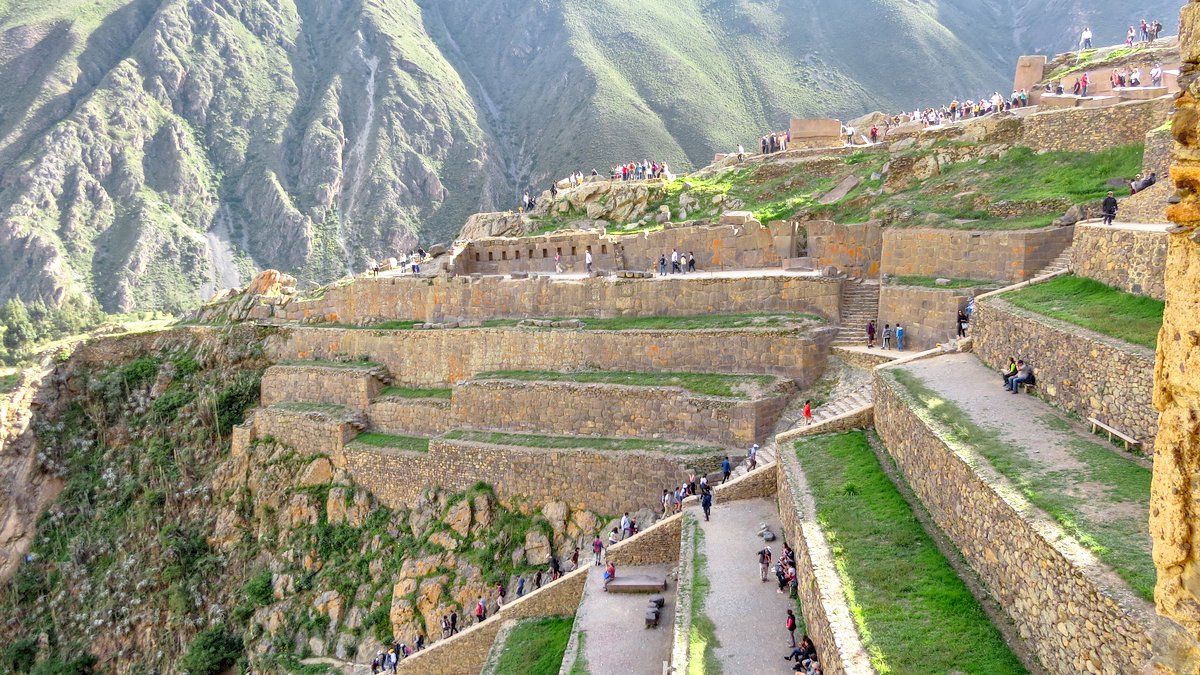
914 613
378 440
536 647
1095 306
1122 541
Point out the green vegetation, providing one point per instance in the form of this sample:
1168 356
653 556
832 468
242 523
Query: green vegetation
931 282
8 379
211 652
536 647
704 384
581 443
1094 306
415 392
702 639
912 610
378 440
705 322
1108 517
330 409
410 325
25 329
350 364
580 667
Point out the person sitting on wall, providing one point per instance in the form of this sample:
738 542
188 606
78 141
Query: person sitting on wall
610 573
1024 376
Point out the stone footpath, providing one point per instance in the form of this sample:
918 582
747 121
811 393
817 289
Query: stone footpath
749 615
613 624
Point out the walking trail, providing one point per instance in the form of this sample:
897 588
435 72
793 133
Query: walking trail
613 624
749 614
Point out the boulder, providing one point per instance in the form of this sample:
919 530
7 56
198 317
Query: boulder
459 517
537 548
269 282
556 514
329 603
319 472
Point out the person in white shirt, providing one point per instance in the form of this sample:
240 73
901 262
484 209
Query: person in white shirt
587 260
1085 40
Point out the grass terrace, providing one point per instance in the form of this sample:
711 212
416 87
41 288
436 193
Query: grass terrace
582 443
371 439
914 613
415 392
1101 500
410 325
536 647
330 409
931 282
713 321
741 387
702 636
324 363
8 379
1094 306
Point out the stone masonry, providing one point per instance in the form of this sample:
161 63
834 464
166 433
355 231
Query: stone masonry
1131 259
1014 255
341 385
1094 130
1086 373
438 358
1070 617
853 249
929 315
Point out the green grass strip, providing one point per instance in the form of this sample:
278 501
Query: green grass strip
931 282
415 392
1122 542
914 613
331 409
1092 305
580 667
702 639
581 443
8 381
704 384
378 440
326 363
536 647
714 321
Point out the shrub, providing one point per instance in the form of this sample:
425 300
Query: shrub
211 652
233 401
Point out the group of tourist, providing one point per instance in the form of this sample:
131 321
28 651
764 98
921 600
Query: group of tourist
804 654
672 500
410 261
389 660
1016 374
1148 30
776 142
888 333
680 263
644 170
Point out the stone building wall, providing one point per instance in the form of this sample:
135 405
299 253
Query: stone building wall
411 416
1013 255
1133 260
1086 373
853 249
607 482
1047 584
822 600
368 300
438 358
1094 129
577 409
348 386
929 315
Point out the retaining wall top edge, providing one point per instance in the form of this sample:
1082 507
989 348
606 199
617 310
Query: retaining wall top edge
615 453
649 388
1040 523
1061 326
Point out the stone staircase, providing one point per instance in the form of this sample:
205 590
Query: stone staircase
1060 264
860 304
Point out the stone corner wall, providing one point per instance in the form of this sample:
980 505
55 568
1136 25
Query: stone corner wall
1094 129
349 387
1134 261
1014 255
854 249
654 545
1077 370
1071 620
929 315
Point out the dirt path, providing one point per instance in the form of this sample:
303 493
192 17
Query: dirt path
616 639
749 614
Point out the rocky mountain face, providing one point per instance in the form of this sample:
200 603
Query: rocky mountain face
156 150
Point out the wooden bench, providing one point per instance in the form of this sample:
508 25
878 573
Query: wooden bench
1129 440
637 584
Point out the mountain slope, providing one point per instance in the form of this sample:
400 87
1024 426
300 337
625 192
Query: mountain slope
155 150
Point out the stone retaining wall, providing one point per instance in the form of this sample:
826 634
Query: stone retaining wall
847 421
822 599
1005 255
1094 129
352 387
316 433
577 409
929 315
1086 373
1054 591
411 416
439 358
853 249
1134 261
369 300
607 482
657 544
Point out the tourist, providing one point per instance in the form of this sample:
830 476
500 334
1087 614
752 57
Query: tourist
480 611
610 573
887 336
1129 36
726 469
808 412
597 548
555 568
537 580
558 263
805 651
612 537
662 265
764 563
1156 75
575 559
675 261
706 498
1009 370
874 134
691 265
445 626
501 593
790 624
377 663
524 201
871 333
1109 208
962 324
849 135
587 259
741 153
1144 29
454 622
520 586
752 457
1085 40
553 190
419 643
899 337
1024 376
1083 83
627 525
666 503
